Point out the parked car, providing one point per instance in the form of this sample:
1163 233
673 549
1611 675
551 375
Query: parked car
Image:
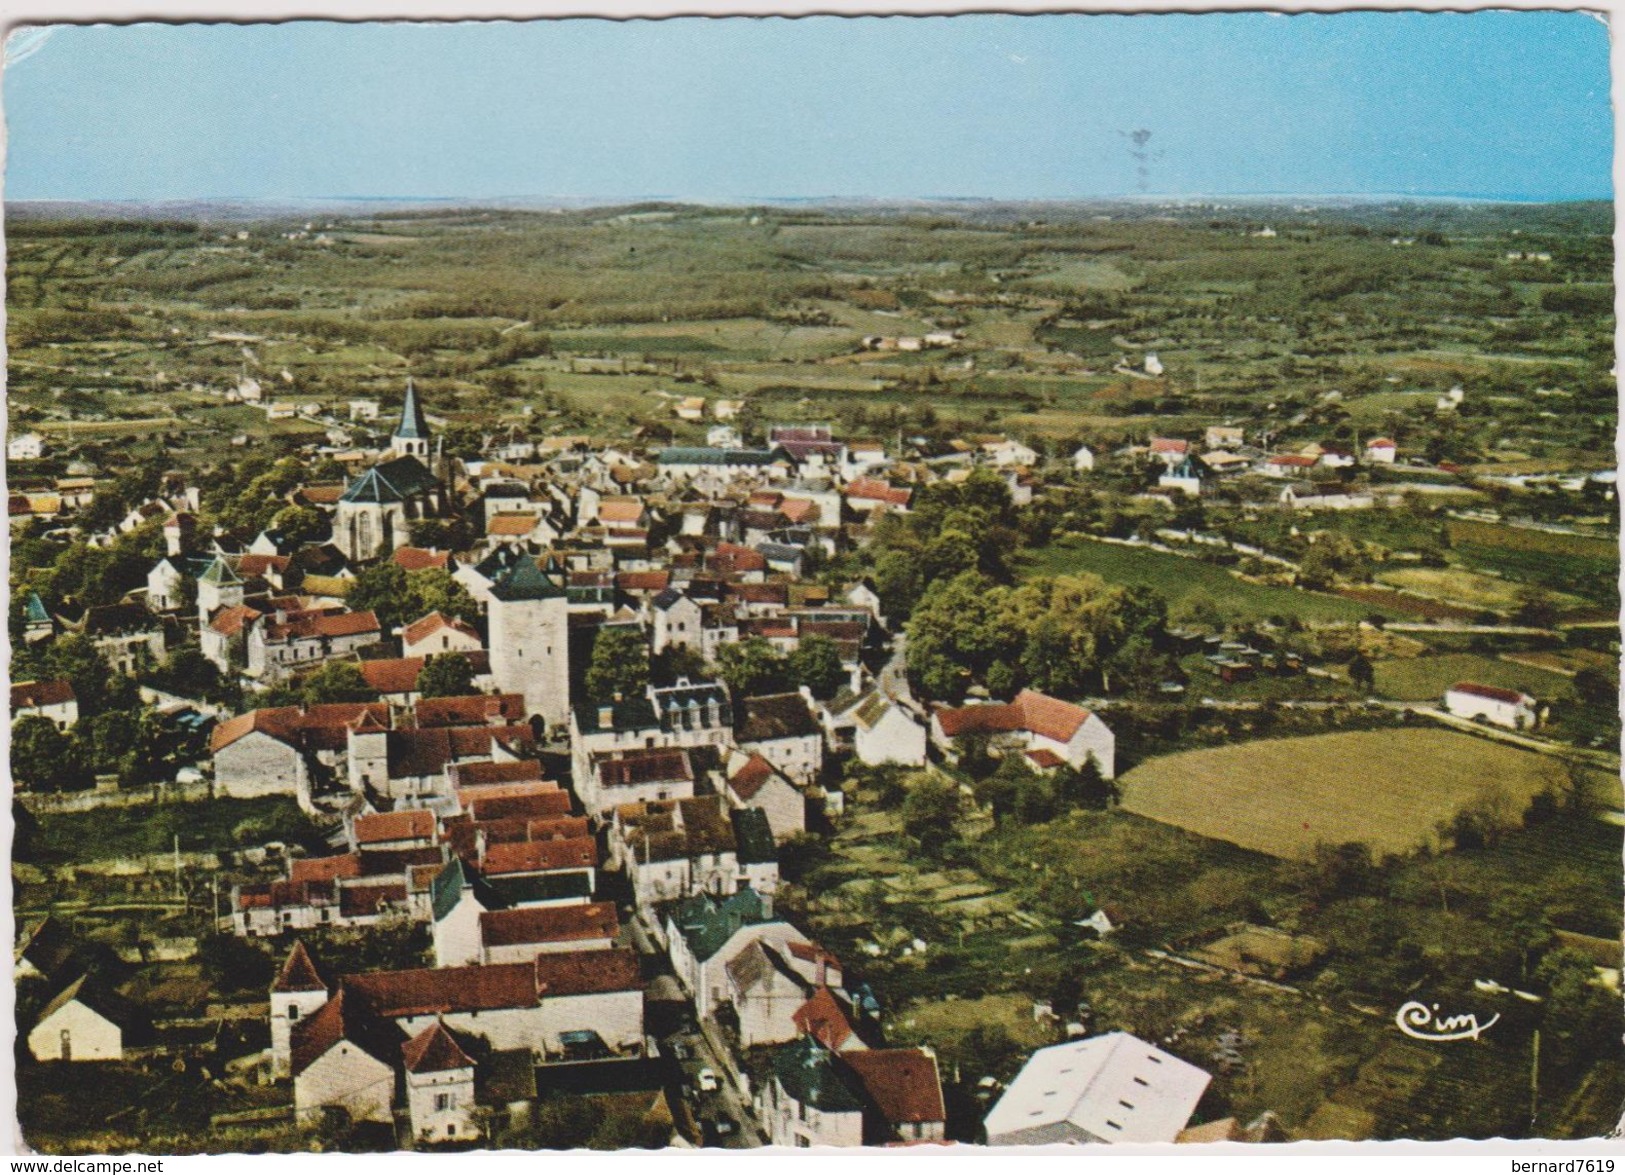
719 1127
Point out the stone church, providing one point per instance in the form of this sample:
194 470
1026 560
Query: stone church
375 512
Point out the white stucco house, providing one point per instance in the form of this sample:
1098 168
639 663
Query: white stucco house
1512 709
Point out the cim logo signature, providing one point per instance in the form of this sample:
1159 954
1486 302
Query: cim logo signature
1423 1022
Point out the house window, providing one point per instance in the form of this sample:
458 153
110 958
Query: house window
293 1011
444 1102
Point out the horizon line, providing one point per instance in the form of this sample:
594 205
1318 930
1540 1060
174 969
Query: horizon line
604 200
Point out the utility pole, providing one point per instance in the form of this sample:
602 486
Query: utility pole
1534 1081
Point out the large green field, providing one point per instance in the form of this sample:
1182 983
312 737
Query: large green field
483 305
202 826
1177 577
1426 678
1388 789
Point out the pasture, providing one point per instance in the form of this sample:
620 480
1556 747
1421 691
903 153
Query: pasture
1457 585
1389 789
1176 577
1426 678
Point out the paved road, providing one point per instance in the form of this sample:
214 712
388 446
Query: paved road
724 1101
894 673
1609 759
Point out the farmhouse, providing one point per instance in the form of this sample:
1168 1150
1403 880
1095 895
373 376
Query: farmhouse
870 494
1048 731
53 700
1503 707
86 1021
277 751
1171 451
436 633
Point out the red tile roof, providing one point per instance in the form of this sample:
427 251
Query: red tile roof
873 489
533 804
903 1083
321 494
30 694
548 924
462 832
230 621
250 566
750 778
415 754
314 624
357 901
418 559
1169 445
637 767
302 869
340 1018
643 581
446 989
434 1050
421 630
474 775
393 675
408 824
472 710
588 972
620 510
511 525
299 972
324 725
539 856
1496 694
823 1019
799 509
733 558
497 985
1032 711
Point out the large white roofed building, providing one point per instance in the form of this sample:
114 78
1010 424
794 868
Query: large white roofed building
1112 1088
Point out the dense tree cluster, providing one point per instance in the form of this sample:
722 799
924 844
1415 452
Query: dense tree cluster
1071 636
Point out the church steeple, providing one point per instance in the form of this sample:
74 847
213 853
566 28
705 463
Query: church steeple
411 436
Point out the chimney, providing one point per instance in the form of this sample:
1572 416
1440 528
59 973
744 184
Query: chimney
606 717
479 846
823 969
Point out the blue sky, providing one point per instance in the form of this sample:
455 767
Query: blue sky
1502 104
